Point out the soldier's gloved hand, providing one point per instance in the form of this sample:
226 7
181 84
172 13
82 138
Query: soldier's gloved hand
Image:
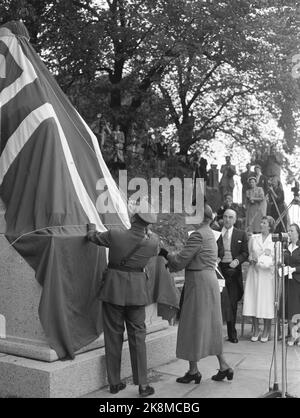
91 228
164 253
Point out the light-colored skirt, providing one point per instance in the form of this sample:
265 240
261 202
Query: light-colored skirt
200 331
259 295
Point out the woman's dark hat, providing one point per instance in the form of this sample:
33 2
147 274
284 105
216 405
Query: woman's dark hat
252 178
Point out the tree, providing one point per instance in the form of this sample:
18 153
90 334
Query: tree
205 64
227 77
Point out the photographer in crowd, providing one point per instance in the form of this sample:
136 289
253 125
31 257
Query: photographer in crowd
276 205
273 161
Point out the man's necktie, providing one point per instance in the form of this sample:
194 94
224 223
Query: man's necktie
226 236
227 252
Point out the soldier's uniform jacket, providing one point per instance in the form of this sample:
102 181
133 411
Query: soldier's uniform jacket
126 284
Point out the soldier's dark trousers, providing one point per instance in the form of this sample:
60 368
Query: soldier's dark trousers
114 318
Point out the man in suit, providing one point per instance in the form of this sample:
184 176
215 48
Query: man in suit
125 294
228 204
232 252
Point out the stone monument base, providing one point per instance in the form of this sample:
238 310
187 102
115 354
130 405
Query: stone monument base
28 378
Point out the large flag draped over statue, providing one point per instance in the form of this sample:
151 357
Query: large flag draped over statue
49 165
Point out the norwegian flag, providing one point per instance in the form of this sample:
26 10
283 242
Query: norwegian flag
49 166
50 162
50 159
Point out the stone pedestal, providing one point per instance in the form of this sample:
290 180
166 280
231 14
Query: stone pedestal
28 378
19 300
21 333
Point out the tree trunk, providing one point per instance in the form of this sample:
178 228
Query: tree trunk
115 78
186 134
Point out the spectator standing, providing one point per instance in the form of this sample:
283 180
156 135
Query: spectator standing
150 150
119 140
272 162
139 151
257 158
292 279
227 182
228 204
232 253
244 180
131 151
255 206
117 161
104 130
162 150
261 179
213 176
199 167
259 297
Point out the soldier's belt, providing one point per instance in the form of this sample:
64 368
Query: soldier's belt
124 268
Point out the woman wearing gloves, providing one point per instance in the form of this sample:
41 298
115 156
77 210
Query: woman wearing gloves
259 296
200 325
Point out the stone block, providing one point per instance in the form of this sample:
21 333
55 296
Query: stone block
28 378
20 295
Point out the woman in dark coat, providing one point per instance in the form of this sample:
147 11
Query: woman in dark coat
200 331
292 281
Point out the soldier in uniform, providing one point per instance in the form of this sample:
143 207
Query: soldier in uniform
124 295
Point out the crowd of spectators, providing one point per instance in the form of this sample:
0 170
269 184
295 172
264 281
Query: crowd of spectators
262 191
259 215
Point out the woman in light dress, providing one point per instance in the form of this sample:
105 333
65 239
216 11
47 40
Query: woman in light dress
259 296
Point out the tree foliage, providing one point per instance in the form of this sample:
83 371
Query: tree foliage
205 67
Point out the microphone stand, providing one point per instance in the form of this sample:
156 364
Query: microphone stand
280 290
275 392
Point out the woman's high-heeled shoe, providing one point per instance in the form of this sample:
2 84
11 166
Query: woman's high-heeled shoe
255 338
187 378
222 374
264 339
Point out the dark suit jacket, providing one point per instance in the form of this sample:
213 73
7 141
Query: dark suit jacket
239 251
293 260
